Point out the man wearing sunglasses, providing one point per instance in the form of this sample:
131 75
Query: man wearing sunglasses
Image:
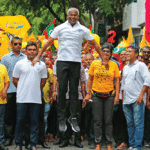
9 60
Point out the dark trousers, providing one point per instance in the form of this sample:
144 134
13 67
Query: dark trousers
89 123
67 135
147 125
22 110
120 132
10 116
68 71
52 120
103 107
27 125
2 114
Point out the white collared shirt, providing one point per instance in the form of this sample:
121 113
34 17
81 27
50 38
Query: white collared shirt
70 40
28 88
135 76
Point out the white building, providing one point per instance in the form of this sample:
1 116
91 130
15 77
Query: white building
134 15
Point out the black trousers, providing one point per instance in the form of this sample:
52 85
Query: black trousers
68 71
120 132
67 135
103 107
10 116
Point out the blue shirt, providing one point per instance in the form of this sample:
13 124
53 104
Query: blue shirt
9 60
135 76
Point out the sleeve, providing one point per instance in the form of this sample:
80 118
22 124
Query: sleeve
88 36
145 74
116 71
6 77
55 33
16 71
123 80
44 71
91 69
82 76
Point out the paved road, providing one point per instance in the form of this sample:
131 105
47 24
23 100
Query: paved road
53 147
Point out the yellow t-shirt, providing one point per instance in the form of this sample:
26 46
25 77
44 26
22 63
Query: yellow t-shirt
102 78
46 88
4 78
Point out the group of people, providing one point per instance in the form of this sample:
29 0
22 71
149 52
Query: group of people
102 98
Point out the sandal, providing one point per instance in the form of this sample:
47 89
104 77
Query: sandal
122 146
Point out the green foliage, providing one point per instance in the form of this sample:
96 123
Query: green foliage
41 12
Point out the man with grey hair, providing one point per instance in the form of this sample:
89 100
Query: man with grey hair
70 33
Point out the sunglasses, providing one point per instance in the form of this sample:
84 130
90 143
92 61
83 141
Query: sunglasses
106 51
17 44
146 52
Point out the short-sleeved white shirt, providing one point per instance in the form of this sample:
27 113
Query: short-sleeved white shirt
70 40
28 88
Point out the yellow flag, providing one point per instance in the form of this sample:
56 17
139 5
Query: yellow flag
4 44
17 25
130 38
41 37
25 37
144 42
31 38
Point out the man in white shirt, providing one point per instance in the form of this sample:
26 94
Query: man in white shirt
135 82
70 33
29 81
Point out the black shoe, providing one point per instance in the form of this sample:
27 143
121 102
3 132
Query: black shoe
3 147
8 142
62 125
74 124
78 144
57 141
63 144
18 148
44 145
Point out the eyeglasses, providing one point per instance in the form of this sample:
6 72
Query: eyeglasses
146 52
106 51
17 44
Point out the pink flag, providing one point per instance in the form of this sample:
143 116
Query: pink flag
147 20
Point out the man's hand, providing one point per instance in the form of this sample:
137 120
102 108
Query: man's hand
35 60
88 96
139 100
3 94
148 105
83 104
116 100
54 94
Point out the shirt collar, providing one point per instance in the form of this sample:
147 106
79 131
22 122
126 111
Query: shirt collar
12 53
133 63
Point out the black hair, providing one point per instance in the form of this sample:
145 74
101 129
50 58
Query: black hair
17 38
31 44
146 47
109 46
136 50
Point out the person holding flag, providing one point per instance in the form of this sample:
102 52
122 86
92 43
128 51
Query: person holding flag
70 33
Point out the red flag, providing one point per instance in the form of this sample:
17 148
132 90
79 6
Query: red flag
147 20
49 29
